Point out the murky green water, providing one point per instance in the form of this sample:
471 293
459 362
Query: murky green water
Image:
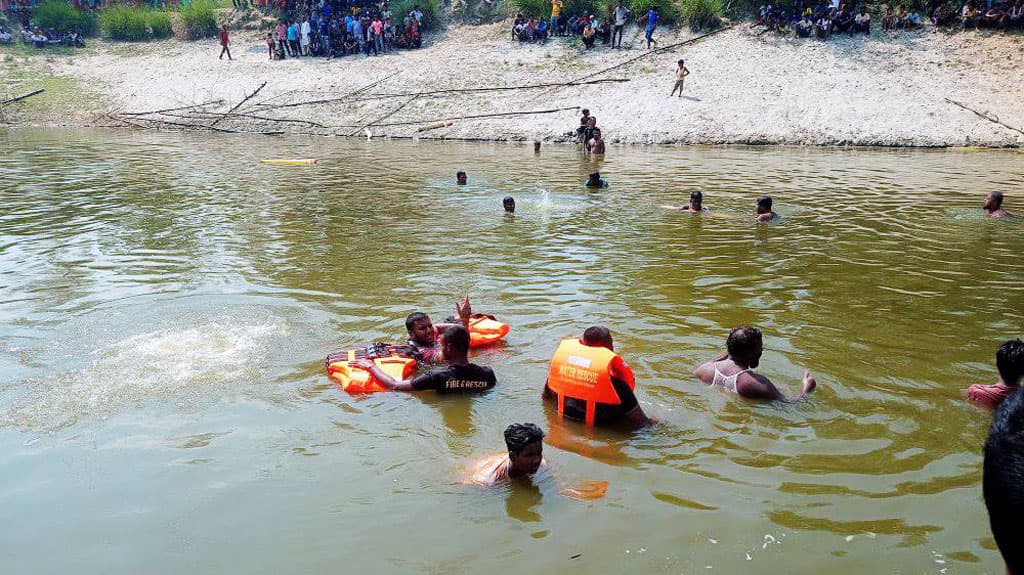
166 302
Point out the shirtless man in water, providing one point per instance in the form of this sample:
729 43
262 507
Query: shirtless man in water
764 209
524 458
732 371
993 207
696 205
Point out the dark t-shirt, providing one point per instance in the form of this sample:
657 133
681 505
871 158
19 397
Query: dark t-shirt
456 379
604 413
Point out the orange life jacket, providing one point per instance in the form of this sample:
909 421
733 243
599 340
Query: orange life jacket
584 373
484 330
355 380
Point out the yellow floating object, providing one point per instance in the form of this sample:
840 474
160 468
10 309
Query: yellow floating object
309 162
586 491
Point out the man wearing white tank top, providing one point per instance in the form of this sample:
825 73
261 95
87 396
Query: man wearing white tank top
733 370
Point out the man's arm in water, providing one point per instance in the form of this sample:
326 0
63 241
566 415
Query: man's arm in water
757 386
383 378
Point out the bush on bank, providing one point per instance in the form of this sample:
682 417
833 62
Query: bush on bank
128 24
62 17
430 9
198 19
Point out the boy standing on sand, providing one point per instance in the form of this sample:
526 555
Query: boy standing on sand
681 73
224 42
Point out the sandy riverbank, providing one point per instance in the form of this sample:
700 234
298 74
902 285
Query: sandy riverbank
886 90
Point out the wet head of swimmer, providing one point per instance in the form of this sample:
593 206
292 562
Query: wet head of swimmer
993 201
509 203
421 330
598 336
1010 362
460 178
764 205
745 346
525 448
594 180
696 201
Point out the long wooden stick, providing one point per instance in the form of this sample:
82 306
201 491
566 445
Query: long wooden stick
239 105
329 100
20 98
646 54
478 116
178 109
985 116
386 116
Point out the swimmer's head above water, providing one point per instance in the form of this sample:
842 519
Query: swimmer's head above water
595 181
1010 361
745 345
696 201
454 342
525 448
993 201
509 203
460 178
764 205
421 330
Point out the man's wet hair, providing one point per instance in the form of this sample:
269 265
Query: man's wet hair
457 337
697 196
412 318
597 335
1010 361
519 435
1003 480
742 340
508 200
997 197
460 174
765 203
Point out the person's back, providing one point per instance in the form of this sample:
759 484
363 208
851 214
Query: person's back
606 394
733 370
1003 481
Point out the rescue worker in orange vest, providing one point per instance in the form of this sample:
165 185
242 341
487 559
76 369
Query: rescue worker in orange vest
589 382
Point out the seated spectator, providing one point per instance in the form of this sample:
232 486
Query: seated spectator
349 45
862 21
5 36
942 15
969 16
589 36
823 27
1014 16
542 31
993 17
517 26
844 20
604 31
913 20
803 27
889 19
901 19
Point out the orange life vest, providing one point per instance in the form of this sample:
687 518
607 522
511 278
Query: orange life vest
355 380
584 373
484 330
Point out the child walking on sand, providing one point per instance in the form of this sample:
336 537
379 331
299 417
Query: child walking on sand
681 73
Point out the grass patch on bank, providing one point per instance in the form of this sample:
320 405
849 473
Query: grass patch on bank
62 97
430 8
60 16
199 19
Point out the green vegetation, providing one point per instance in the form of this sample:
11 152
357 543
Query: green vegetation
60 16
532 8
159 24
430 9
702 14
198 19
119 22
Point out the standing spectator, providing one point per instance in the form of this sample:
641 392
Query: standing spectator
620 15
325 36
270 45
652 24
293 39
377 31
282 38
556 13
304 37
681 73
224 42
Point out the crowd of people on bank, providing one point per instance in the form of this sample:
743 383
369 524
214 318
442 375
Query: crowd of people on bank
324 33
590 28
831 17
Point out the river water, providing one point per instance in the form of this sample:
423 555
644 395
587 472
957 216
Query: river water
166 303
